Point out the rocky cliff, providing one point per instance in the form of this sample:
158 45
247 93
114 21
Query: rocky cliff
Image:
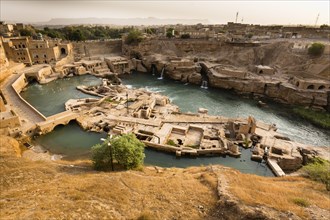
280 56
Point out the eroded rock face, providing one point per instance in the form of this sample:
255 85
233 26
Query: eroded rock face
181 59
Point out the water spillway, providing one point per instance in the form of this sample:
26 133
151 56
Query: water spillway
188 98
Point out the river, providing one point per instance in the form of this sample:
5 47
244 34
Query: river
75 143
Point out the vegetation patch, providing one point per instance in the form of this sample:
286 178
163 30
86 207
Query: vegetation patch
78 33
321 119
316 49
171 142
196 146
134 37
126 150
319 170
111 101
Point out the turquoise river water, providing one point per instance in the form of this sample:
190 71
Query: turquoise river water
74 143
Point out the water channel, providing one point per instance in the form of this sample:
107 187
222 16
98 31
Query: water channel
75 143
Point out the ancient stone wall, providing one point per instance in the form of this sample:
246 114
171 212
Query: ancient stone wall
285 93
10 122
91 48
20 83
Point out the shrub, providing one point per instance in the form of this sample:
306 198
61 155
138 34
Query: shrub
26 32
319 170
101 156
134 37
169 35
316 49
128 151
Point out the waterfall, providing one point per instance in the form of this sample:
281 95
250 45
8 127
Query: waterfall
162 73
153 70
204 84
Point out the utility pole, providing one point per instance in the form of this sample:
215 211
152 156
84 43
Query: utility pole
110 148
317 19
127 101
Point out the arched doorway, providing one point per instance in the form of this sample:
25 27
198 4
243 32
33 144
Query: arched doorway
63 51
321 87
310 87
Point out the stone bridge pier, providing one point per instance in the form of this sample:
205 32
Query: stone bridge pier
51 122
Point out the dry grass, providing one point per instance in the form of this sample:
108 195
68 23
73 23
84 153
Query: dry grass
44 190
278 193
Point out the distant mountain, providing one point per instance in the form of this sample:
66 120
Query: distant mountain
121 21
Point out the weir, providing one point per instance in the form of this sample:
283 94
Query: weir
204 84
205 78
162 73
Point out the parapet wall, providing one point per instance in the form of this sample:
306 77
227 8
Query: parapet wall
173 47
91 48
18 85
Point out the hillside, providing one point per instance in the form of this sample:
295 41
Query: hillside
44 190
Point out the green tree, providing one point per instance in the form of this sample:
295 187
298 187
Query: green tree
101 156
26 32
316 49
169 33
134 37
128 151
77 35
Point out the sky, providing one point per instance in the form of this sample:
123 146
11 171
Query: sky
265 12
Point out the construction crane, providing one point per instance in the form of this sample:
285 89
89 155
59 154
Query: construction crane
236 17
317 19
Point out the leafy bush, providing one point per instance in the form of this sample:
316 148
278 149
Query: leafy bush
27 32
319 170
169 33
134 36
101 156
316 49
128 151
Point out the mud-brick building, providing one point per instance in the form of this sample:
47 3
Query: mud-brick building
3 58
28 51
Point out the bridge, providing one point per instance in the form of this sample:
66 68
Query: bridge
34 120
62 118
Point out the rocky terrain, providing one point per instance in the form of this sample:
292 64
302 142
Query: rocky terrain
281 55
49 190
